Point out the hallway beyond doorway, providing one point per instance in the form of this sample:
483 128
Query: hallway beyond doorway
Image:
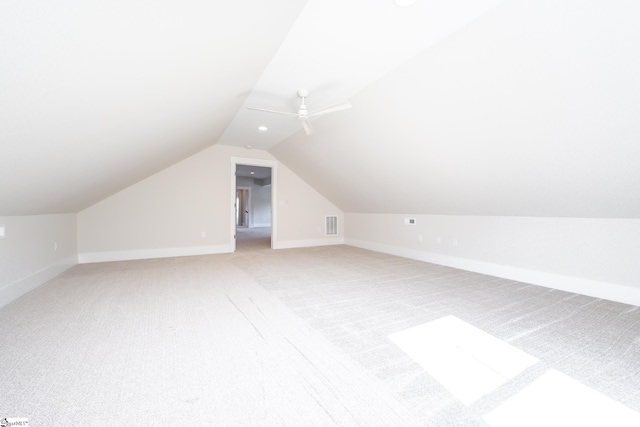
253 239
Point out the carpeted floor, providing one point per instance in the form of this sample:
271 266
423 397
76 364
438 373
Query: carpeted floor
309 337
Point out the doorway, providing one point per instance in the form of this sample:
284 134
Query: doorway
253 207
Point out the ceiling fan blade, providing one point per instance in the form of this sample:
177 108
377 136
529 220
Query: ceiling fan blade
331 108
274 111
306 124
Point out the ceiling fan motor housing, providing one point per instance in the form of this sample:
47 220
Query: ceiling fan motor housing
303 113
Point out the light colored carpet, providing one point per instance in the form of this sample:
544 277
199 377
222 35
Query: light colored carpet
287 337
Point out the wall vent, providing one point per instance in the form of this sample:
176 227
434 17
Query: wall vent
330 225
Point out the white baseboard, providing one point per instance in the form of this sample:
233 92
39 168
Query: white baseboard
16 289
289 244
89 257
261 224
609 291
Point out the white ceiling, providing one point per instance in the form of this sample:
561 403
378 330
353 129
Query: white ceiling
335 49
470 107
531 110
96 95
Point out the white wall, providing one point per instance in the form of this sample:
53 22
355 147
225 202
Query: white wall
260 205
301 220
166 214
260 202
35 249
591 256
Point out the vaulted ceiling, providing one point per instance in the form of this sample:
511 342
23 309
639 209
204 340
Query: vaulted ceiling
96 95
531 110
462 107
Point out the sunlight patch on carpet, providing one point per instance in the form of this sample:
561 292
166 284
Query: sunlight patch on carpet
465 360
556 400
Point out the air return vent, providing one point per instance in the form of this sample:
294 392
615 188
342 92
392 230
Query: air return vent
331 225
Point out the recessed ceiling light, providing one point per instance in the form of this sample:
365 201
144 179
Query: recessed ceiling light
404 3
263 128
252 173
249 146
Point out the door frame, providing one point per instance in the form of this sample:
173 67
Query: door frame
273 164
247 204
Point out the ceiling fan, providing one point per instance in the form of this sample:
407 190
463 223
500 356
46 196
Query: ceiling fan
304 115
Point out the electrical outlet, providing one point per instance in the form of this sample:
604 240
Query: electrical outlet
419 237
55 246
203 234
455 242
2 235
438 240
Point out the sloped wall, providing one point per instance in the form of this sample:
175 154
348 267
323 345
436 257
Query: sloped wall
532 110
167 213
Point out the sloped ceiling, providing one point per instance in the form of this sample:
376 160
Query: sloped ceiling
531 110
335 49
96 95
470 107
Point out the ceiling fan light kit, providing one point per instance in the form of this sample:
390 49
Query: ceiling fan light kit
303 113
